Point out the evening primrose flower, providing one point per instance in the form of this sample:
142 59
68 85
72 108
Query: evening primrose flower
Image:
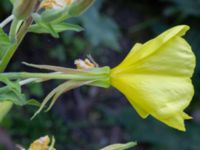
156 77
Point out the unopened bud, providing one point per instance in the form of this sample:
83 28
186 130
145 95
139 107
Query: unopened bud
5 107
23 8
80 6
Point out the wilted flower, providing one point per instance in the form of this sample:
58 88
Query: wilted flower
156 77
55 4
42 144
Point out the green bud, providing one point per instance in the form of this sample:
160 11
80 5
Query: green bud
5 108
23 8
54 14
79 7
102 76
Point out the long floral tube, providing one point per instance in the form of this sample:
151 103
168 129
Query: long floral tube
67 74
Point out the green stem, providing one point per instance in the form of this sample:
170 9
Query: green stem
19 37
24 75
6 21
5 60
13 30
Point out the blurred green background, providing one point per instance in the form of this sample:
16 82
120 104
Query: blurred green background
90 118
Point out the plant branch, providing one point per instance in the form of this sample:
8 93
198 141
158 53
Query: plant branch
6 21
19 37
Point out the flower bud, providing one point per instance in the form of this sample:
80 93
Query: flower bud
23 8
79 7
5 107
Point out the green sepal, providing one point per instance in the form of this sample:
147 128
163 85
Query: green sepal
80 7
33 102
23 8
74 10
5 107
52 15
61 27
46 26
102 76
12 92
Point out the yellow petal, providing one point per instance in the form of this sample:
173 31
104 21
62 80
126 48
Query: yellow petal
155 77
154 45
40 144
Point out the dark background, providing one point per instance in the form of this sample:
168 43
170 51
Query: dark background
89 117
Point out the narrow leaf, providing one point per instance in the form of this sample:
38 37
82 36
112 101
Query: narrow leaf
55 93
61 27
56 68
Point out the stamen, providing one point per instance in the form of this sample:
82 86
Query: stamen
84 64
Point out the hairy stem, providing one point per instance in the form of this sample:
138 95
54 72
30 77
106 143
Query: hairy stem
13 30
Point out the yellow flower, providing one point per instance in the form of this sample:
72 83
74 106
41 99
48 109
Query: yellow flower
41 144
156 77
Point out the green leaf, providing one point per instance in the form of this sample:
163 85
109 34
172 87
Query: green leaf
4 42
57 28
4 38
12 1
33 102
6 54
5 46
12 92
120 146
100 30
44 25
